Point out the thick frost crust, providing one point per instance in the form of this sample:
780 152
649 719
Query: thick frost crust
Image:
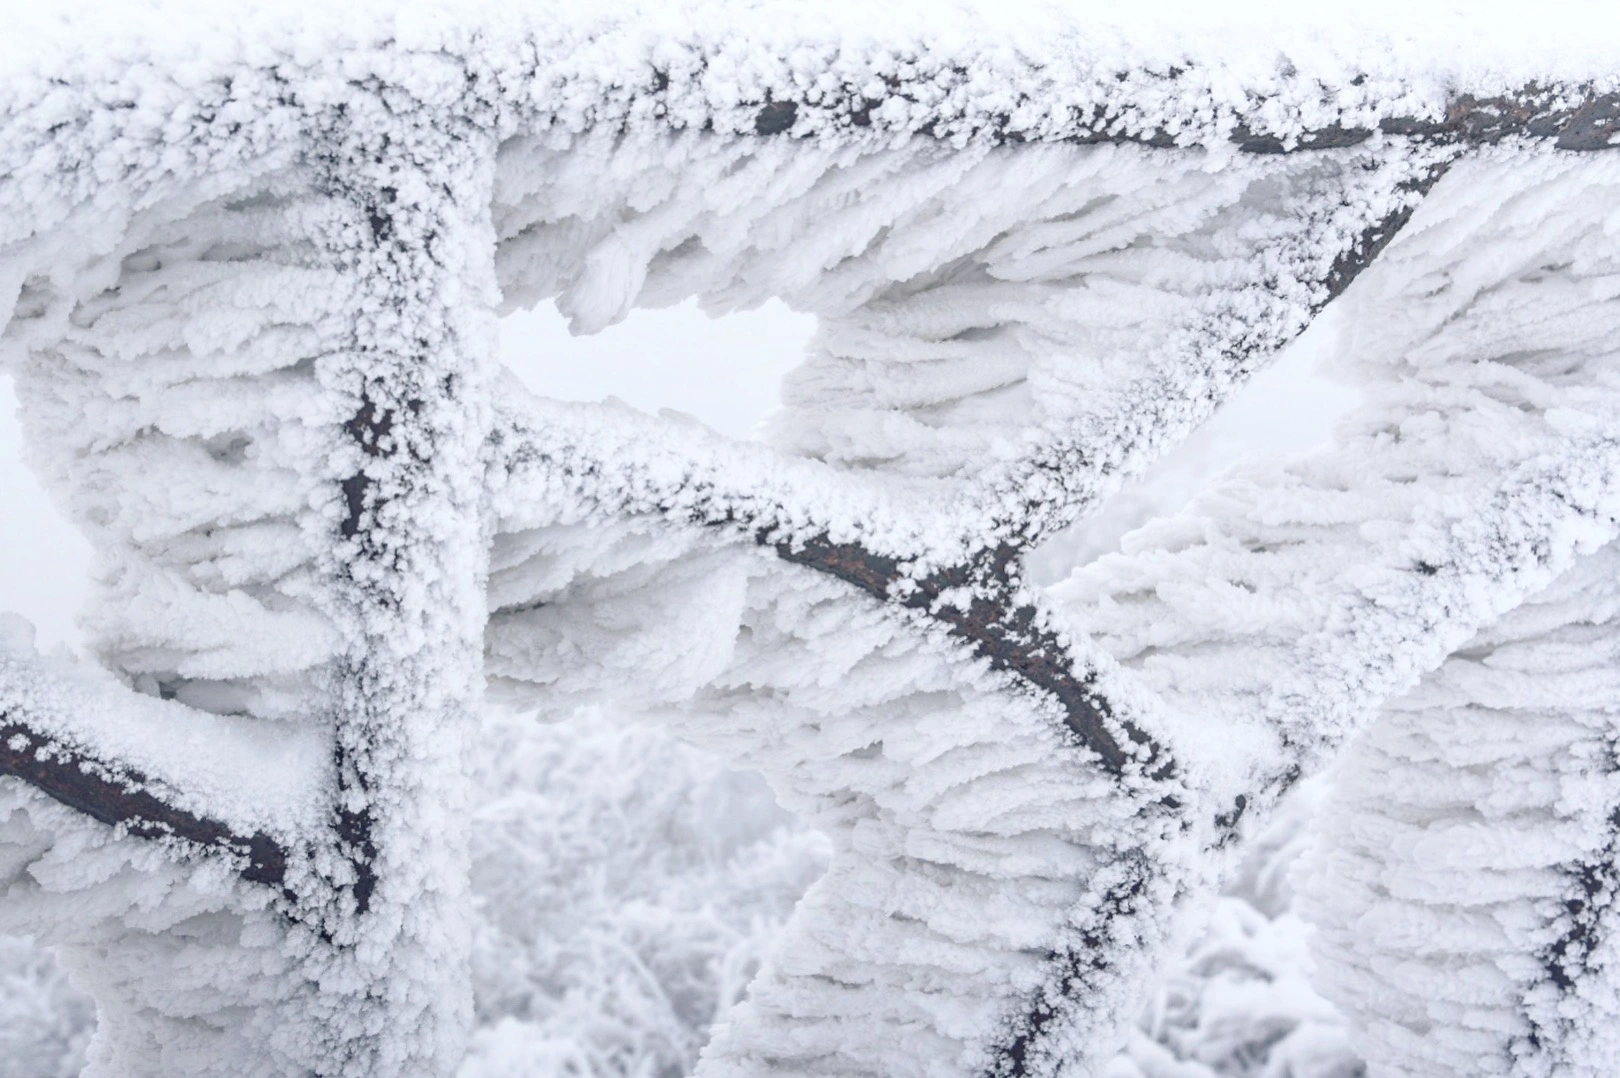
1460 877
259 396
1524 496
250 297
1464 884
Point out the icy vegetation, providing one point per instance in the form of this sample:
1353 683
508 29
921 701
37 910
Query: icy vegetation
376 760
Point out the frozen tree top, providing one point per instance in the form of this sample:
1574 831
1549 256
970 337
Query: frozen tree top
87 77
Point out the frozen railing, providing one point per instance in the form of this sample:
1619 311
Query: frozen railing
252 269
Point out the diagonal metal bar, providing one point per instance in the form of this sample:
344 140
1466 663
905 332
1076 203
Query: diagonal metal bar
971 587
983 604
123 797
1239 331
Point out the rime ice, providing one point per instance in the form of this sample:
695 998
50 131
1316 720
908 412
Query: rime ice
250 265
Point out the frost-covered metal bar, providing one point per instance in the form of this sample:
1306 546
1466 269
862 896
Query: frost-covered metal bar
1314 254
265 269
93 746
1224 288
1579 118
116 794
598 464
1489 791
405 565
1326 239
287 365
580 463
1498 390
984 604
1529 520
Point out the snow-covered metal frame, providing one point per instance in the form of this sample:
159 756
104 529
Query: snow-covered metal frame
252 302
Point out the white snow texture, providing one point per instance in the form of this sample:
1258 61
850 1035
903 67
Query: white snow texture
249 274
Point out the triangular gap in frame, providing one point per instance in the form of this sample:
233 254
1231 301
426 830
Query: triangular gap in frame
1287 408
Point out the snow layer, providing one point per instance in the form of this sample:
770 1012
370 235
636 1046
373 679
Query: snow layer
1463 881
628 887
251 291
1034 66
1284 607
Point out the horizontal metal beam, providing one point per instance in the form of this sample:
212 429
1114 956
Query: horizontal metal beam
1579 120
